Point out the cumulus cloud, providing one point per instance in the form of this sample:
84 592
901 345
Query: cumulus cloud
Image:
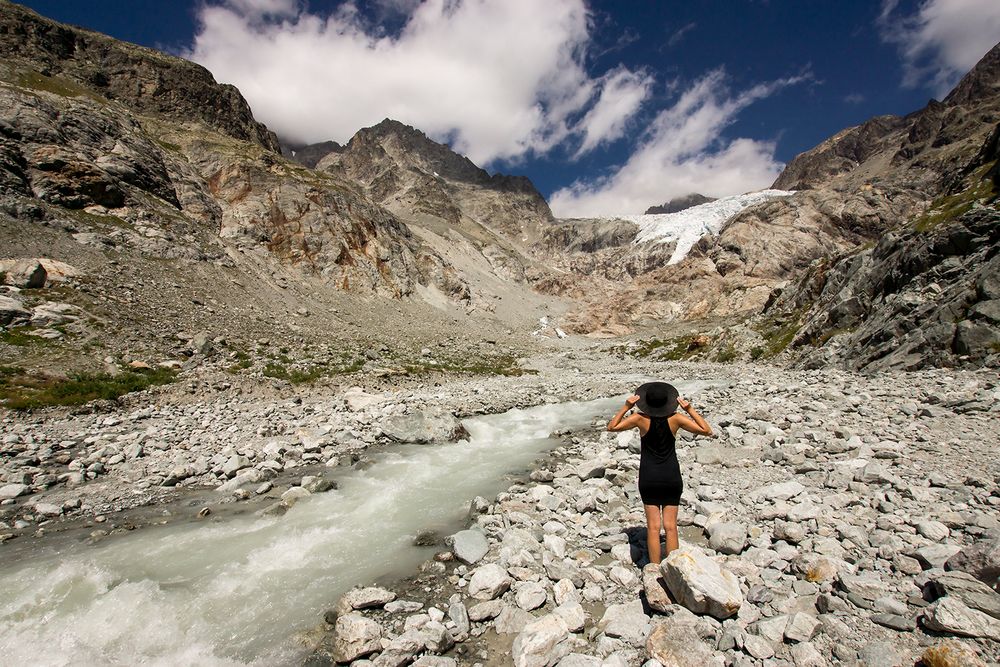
683 152
499 79
622 93
942 40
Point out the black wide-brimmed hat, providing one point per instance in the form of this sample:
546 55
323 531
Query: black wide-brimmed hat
657 399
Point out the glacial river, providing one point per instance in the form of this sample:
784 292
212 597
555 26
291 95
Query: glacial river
235 591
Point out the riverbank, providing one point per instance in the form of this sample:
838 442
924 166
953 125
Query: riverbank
836 501
888 466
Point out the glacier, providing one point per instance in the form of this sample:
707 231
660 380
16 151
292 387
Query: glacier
687 226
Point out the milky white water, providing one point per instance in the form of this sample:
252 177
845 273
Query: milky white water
235 591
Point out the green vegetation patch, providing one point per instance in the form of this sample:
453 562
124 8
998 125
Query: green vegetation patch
727 354
21 337
22 391
779 331
674 349
505 365
56 85
949 207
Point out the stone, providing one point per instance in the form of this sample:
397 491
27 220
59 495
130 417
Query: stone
579 660
469 546
779 491
294 495
676 643
657 596
935 531
868 586
48 509
801 627
934 555
424 427
758 647
624 577
9 491
434 661
402 649
364 598
235 463
511 620
950 615
437 638
792 533
483 611
697 582
564 591
355 636
727 538
459 615
879 654
23 273
541 642
243 478
895 622
981 559
489 581
317 484
12 310
627 621
529 595
573 614
973 593
950 653
590 469
806 655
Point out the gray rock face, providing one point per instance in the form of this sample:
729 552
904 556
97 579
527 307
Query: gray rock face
626 621
541 643
678 204
962 586
488 581
656 589
8 491
424 427
355 637
676 644
12 310
727 538
949 614
469 546
696 581
365 598
981 559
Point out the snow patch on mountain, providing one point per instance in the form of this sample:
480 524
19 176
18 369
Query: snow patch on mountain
687 226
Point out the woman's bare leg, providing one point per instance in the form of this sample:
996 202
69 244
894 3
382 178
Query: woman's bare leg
670 526
653 522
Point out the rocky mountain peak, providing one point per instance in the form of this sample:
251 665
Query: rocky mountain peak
678 204
143 79
982 81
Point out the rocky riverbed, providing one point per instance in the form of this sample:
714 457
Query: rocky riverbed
834 517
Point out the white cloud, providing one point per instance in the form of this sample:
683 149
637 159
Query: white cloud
500 78
942 40
683 152
622 93
678 35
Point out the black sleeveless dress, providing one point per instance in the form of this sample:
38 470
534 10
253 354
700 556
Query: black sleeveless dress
659 473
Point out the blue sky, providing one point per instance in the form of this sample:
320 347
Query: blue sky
609 107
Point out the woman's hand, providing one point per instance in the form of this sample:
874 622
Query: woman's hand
631 400
683 404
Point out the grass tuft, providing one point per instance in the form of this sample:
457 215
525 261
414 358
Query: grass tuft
20 391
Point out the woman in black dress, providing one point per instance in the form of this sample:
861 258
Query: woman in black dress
660 483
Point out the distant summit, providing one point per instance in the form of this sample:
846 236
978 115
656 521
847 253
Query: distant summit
678 204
